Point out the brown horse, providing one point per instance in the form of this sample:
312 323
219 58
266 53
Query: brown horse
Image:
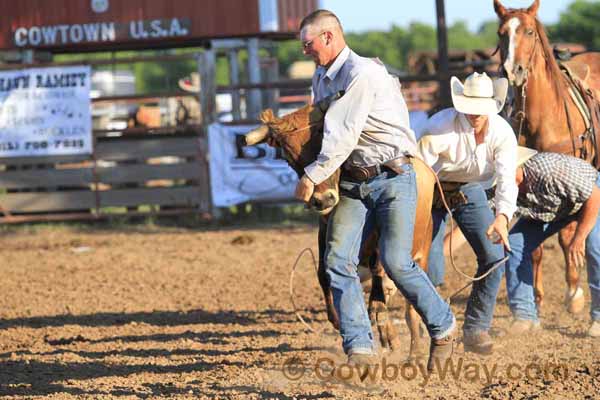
300 135
547 117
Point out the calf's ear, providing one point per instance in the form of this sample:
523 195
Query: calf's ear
267 116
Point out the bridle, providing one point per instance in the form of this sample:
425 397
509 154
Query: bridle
522 113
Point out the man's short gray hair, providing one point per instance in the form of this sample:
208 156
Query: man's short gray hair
322 19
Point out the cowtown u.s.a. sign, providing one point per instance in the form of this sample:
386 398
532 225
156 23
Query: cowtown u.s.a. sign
99 25
94 32
98 32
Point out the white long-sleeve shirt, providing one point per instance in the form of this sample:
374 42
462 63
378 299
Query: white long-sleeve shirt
369 124
448 146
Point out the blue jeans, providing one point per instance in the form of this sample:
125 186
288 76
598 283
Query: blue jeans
435 265
386 202
525 237
473 219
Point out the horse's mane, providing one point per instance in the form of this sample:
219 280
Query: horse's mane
556 75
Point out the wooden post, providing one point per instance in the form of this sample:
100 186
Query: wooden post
207 73
234 79
254 97
208 92
443 69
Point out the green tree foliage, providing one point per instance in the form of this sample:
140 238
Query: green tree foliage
488 33
459 36
579 24
394 46
288 52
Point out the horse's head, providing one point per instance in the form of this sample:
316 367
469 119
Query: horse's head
300 135
518 33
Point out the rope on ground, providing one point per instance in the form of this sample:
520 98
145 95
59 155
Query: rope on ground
471 279
307 325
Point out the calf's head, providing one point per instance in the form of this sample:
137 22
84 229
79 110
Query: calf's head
300 135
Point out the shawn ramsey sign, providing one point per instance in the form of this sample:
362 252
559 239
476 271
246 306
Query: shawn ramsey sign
45 111
98 32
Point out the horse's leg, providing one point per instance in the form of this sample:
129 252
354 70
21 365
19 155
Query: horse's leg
458 240
379 298
413 321
538 286
323 281
574 300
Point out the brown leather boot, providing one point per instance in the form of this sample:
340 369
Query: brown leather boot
520 327
366 368
441 350
480 343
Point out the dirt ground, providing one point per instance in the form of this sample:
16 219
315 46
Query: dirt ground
158 312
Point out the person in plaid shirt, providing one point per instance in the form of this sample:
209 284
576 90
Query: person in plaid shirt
554 190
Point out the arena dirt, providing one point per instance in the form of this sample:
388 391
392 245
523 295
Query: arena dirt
153 312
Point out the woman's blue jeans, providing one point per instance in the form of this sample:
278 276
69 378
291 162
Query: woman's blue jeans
386 202
473 218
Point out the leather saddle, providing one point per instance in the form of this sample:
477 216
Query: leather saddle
577 69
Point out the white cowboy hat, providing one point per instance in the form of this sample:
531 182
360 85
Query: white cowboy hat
524 154
479 95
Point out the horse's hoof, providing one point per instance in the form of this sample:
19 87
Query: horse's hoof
575 301
416 360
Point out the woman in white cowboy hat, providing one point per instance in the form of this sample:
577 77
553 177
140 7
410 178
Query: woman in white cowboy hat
469 146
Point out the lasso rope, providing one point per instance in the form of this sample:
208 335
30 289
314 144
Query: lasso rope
471 279
306 324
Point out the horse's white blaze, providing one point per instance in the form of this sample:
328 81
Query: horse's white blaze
513 24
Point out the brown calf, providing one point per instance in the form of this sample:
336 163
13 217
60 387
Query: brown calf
300 135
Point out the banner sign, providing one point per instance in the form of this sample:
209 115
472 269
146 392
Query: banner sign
94 32
241 173
45 111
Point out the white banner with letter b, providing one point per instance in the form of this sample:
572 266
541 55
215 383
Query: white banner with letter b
241 173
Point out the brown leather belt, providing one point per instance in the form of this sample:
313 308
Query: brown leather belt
362 174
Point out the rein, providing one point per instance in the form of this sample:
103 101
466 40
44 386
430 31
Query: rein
521 114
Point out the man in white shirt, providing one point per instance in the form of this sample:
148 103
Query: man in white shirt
365 132
469 146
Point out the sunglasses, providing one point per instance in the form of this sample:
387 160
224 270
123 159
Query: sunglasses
306 45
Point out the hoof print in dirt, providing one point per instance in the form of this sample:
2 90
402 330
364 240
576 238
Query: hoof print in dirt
242 240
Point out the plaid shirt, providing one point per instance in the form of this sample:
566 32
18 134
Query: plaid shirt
556 186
